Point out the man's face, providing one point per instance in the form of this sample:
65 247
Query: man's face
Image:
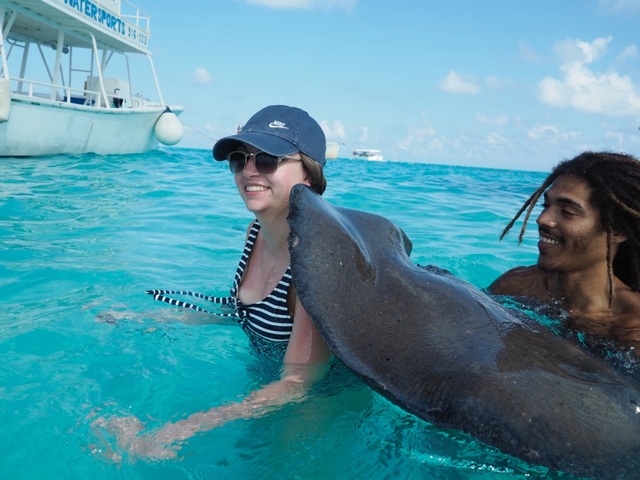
571 238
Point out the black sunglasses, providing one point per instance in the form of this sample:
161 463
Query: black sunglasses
265 162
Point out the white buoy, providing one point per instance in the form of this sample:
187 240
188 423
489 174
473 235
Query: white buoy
168 128
332 150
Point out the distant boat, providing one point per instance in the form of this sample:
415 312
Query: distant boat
65 83
367 154
333 148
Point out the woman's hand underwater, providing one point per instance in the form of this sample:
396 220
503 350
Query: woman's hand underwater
125 432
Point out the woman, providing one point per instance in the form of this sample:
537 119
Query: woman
279 147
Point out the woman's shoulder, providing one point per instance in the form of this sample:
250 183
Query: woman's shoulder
253 224
252 228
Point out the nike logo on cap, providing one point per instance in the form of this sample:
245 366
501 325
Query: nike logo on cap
278 124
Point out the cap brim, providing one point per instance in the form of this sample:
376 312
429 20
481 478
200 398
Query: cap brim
262 141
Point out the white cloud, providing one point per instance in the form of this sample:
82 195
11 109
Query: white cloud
619 6
527 53
585 90
417 138
454 83
497 120
550 133
623 137
494 83
495 138
306 4
630 52
333 131
617 137
364 135
578 51
436 145
202 77
540 131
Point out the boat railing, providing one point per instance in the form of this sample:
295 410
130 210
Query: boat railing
78 96
139 18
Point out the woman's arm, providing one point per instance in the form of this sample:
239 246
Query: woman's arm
306 361
306 346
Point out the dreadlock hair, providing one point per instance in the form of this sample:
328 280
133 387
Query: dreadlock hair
614 179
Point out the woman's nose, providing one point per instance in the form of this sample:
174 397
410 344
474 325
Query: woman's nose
250 165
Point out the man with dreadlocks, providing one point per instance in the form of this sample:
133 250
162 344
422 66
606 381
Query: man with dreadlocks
589 246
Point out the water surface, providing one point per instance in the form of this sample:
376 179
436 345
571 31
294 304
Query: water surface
82 238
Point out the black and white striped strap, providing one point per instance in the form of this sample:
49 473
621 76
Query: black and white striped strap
160 295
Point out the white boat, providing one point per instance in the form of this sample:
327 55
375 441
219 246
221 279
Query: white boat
367 154
65 80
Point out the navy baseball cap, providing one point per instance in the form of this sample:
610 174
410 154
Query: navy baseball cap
278 130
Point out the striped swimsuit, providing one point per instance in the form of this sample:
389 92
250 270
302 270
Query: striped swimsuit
268 319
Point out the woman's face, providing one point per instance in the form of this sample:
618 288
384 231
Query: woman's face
269 192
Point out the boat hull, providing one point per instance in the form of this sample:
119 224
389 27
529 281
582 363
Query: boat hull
367 154
66 80
44 127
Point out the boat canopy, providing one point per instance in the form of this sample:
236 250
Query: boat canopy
128 31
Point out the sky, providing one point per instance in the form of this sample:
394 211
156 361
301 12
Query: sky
500 84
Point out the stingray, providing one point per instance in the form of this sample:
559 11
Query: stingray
451 355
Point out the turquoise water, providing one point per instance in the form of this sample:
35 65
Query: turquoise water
82 238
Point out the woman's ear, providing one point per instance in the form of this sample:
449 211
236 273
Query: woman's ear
307 178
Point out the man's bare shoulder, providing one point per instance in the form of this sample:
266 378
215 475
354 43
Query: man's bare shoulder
526 281
627 305
623 323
